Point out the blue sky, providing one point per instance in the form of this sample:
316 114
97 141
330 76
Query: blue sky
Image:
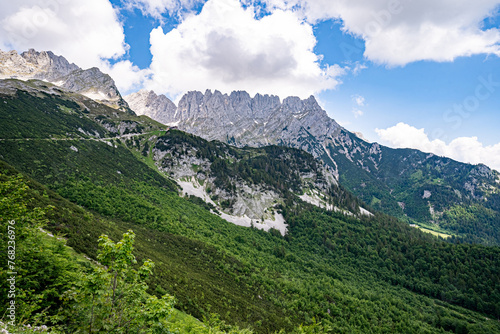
404 73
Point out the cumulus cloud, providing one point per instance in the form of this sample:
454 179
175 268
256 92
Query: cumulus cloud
128 77
226 47
156 8
397 32
86 32
465 149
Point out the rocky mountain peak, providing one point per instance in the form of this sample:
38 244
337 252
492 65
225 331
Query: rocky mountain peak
45 65
264 104
92 82
34 65
146 102
241 101
241 120
47 60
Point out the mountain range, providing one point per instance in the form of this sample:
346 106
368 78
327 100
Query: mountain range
432 191
419 187
267 238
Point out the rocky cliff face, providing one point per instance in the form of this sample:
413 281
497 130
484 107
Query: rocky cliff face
241 120
247 185
45 65
158 107
390 180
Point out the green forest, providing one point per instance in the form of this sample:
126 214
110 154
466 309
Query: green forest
105 244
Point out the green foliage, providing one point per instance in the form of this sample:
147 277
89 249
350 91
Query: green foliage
329 273
112 297
467 275
42 263
40 303
474 223
402 176
26 116
317 272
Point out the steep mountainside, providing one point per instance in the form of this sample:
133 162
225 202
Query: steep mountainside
243 185
57 70
103 171
350 273
440 193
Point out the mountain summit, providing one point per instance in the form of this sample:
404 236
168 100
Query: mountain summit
410 184
47 66
241 120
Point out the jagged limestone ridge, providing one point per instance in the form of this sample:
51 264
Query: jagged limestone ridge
47 66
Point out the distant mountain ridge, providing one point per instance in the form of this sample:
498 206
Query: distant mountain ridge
241 120
406 183
47 66
441 193
244 186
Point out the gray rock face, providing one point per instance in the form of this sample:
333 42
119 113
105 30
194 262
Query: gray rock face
34 65
52 67
45 65
158 107
242 120
386 178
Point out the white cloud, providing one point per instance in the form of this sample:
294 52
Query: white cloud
156 8
357 113
86 32
397 32
128 77
465 149
358 68
358 100
226 48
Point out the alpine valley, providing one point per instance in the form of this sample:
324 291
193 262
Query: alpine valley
260 215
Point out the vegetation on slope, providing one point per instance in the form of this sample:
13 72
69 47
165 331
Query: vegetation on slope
423 188
374 274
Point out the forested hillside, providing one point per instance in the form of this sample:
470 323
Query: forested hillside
330 273
436 192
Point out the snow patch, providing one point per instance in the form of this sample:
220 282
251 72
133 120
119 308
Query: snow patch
95 95
173 123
